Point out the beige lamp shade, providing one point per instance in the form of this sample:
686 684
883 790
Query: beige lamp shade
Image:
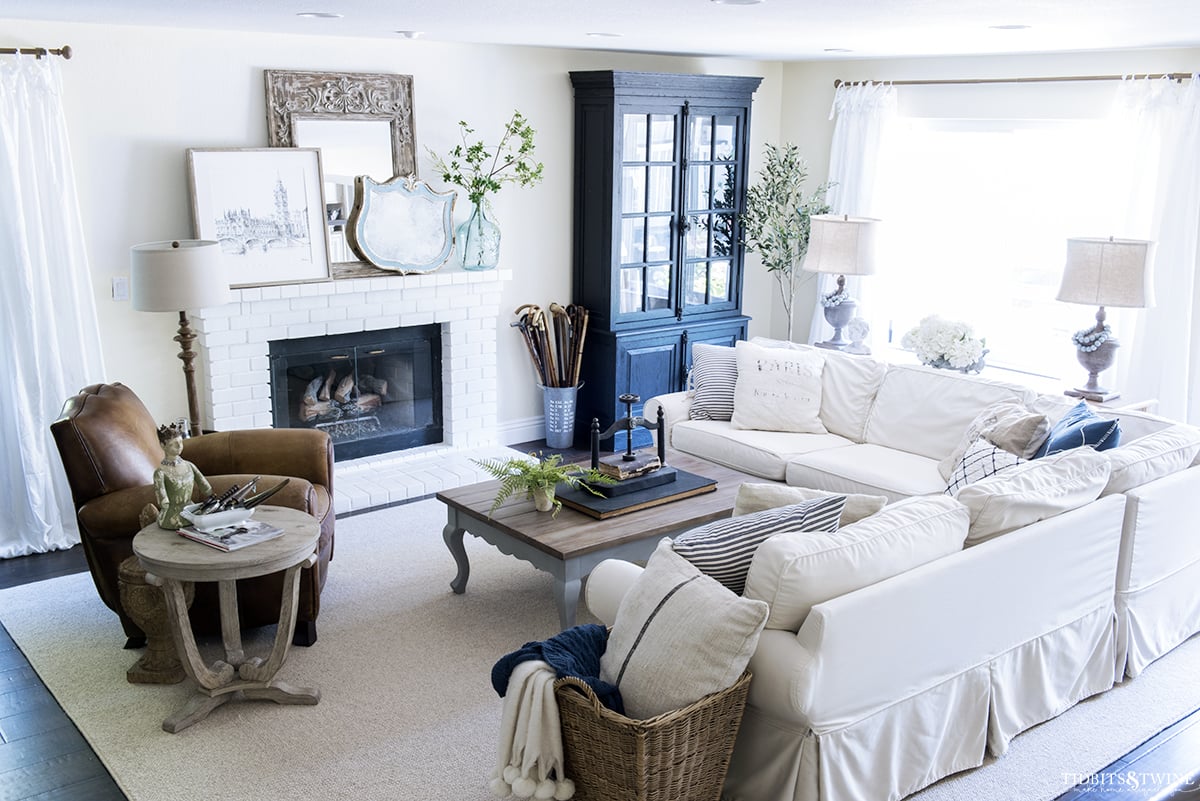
177 275
1108 272
841 245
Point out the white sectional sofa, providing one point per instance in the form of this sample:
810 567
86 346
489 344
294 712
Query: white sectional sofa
1080 569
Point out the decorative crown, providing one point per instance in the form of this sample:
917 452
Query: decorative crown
169 432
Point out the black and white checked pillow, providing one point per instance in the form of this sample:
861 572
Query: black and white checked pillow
725 548
982 459
714 377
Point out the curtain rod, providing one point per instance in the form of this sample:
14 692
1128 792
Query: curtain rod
1175 76
64 51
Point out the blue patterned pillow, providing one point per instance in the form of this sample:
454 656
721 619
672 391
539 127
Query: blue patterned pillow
1081 426
724 549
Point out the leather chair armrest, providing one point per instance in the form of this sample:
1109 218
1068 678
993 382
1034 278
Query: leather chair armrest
300 452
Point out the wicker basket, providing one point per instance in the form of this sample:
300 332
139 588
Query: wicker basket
677 756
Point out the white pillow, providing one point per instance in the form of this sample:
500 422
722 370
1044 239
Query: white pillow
752 497
794 572
981 460
678 636
1033 491
1008 424
1150 457
714 376
778 389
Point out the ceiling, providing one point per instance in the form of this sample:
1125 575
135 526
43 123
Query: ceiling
769 30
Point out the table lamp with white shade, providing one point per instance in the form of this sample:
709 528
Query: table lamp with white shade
174 276
1104 272
840 245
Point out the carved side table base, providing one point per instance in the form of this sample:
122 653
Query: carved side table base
147 607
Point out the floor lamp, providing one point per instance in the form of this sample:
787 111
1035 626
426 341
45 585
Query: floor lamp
1104 272
840 245
178 275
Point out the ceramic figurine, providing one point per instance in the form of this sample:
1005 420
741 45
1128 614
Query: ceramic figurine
175 479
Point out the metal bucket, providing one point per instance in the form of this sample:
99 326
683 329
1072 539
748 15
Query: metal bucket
559 406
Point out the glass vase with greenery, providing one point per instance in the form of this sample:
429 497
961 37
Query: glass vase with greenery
776 223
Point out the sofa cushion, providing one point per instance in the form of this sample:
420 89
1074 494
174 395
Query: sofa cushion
760 453
848 386
867 469
1008 424
714 376
1151 457
1078 427
925 411
778 389
652 654
753 497
981 460
794 572
1033 491
723 549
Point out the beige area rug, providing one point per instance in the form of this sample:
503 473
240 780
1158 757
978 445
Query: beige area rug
407 710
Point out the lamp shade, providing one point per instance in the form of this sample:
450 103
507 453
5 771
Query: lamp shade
841 245
177 275
1108 272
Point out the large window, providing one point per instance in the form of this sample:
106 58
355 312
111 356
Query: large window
977 214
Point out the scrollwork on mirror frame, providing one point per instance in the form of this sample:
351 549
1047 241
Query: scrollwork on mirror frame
295 94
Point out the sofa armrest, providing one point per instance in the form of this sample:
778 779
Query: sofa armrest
606 586
914 631
1151 545
675 408
301 452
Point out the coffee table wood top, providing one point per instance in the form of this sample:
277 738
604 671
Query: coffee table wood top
572 534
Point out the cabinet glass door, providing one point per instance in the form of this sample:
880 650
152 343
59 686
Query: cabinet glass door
649 166
714 173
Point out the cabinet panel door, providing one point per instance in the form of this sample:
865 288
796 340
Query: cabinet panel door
646 366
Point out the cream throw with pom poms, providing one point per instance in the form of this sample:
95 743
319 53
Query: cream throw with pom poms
530 745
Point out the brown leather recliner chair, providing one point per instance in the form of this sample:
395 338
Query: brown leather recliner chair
109 446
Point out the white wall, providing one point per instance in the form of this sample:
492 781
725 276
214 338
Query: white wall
808 93
137 98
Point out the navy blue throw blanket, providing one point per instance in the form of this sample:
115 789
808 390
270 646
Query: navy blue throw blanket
574 652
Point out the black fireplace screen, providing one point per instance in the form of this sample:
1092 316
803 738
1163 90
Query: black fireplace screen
373 392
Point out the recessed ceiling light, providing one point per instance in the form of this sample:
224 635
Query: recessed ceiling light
838 50
738 2
605 35
319 15
411 34
1015 27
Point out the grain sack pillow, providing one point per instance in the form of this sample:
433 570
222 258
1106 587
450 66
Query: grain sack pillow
678 636
753 497
714 376
981 460
723 549
778 389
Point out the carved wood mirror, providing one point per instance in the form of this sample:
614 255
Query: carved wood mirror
363 124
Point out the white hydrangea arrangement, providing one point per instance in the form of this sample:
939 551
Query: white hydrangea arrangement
946 343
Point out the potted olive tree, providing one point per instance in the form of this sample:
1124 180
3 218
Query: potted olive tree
776 223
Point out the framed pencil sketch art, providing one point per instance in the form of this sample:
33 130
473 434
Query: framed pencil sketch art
266 208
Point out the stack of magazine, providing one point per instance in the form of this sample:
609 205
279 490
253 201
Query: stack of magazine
231 538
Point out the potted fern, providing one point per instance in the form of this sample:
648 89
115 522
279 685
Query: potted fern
538 478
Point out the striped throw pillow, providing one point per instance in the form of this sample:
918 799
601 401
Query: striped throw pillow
714 376
725 548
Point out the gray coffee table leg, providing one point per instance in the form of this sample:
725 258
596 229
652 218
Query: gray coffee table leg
453 535
567 586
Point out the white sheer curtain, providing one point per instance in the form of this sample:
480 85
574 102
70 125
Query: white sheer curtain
862 113
1161 359
49 337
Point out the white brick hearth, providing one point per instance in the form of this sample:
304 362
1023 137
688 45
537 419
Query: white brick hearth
233 343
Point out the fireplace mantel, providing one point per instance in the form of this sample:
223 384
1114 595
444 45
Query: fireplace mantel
233 341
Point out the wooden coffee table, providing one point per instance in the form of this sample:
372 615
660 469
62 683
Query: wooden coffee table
171 561
570 545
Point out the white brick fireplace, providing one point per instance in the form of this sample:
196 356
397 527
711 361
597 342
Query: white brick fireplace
233 343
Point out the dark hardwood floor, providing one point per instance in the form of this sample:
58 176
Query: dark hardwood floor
43 757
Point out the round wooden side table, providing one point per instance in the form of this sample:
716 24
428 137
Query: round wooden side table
171 561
